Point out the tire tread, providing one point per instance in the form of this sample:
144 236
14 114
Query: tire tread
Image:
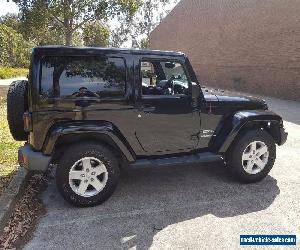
234 154
77 151
16 106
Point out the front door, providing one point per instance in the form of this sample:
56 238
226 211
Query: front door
167 119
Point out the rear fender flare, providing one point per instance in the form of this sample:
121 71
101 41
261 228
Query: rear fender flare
92 130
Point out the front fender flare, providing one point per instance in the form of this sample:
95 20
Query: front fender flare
249 118
87 128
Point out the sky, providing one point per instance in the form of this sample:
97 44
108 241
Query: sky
7 7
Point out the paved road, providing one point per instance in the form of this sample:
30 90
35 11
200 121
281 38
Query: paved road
186 207
7 82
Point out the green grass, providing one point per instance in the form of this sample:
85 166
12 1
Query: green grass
6 73
8 146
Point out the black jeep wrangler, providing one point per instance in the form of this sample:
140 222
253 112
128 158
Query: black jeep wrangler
92 111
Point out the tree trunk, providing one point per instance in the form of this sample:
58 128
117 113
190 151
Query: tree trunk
68 27
68 37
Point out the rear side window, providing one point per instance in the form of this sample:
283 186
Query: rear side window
84 76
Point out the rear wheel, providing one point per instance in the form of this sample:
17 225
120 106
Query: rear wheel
252 156
87 174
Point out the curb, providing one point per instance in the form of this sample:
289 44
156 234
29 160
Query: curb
8 197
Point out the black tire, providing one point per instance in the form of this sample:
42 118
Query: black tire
73 154
16 106
235 153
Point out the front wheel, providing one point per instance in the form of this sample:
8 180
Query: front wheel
252 156
87 174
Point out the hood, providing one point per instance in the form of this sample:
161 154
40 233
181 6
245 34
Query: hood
236 101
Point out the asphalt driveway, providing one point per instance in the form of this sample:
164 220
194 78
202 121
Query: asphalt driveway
183 207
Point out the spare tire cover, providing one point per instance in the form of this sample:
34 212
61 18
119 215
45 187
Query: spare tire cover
17 104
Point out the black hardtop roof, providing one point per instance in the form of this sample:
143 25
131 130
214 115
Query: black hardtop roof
91 50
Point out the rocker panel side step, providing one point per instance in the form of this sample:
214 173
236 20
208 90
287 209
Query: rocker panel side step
177 160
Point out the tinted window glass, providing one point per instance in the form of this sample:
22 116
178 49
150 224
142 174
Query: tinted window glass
147 71
86 76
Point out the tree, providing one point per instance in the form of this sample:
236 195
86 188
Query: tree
37 27
138 29
121 34
71 15
144 43
12 20
147 18
14 50
95 34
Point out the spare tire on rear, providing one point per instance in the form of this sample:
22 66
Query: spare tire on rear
16 106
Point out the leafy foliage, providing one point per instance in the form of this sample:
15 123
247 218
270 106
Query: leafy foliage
77 22
144 43
63 21
14 50
95 34
35 25
39 26
12 20
121 33
68 16
138 29
6 73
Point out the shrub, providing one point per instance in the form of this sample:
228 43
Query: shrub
8 146
6 73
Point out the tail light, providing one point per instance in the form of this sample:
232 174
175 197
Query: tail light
27 121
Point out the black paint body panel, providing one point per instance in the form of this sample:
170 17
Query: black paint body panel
141 126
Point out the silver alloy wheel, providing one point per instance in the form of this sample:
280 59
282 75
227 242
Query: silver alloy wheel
88 176
255 157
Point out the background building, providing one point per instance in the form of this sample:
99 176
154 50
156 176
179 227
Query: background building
247 45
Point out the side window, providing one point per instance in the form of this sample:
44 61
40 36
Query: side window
163 78
147 71
85 76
